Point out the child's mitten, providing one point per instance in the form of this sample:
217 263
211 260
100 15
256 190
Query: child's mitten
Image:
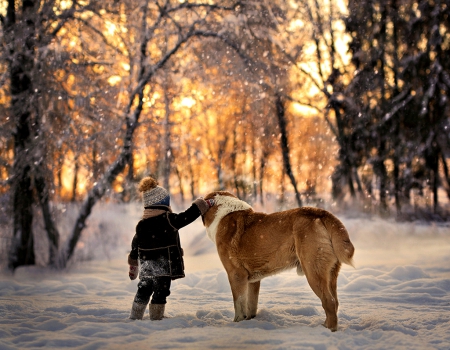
133 272
204 205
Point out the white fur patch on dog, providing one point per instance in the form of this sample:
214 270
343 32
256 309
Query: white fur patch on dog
225 205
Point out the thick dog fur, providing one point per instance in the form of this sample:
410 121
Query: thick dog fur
255 245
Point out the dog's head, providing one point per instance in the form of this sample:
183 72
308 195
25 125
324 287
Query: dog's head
209 216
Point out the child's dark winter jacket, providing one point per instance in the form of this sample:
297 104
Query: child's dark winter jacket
156 243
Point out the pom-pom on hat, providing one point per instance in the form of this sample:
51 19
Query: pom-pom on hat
152 194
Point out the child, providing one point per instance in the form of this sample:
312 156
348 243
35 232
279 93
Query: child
156 246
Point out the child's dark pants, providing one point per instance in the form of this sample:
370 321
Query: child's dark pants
158 286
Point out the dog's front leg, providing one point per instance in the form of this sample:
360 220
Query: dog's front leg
253 294
239 288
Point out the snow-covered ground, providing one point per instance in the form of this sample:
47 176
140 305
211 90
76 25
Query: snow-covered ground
398 297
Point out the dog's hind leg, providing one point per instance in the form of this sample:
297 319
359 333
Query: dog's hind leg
239 287
253 294
323 282
321 287
333 281
321 267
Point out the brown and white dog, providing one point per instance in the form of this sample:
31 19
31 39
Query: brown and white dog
254 245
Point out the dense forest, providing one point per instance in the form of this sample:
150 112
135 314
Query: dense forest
256 97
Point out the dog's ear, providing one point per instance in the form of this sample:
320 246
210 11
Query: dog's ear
208 217
210 195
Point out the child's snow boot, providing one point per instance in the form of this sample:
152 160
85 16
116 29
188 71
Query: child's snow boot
137 311
157 311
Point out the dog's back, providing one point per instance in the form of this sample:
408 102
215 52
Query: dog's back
266 244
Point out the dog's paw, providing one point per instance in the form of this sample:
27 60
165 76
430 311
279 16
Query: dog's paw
239 318
331 328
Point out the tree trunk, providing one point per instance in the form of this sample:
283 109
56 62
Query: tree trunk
350 182
397 187
95 169
75 180
285 146
446 173
382 176
255 182
344 170
435 189
127 192
22 250
408 179
59 164
191 174
219 169
435 181
382 151
180 182
233 163
220 177
52 232
21 64
167 146
358 181
262 166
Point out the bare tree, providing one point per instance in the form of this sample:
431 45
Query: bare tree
28 29
146 71
285 147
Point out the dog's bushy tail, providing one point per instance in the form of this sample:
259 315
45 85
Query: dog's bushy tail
340 240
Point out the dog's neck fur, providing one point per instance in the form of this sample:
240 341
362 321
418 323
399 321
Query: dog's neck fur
225 205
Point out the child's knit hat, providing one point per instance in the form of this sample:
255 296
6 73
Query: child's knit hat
152 194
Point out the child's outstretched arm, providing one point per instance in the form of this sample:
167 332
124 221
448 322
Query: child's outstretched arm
198 207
